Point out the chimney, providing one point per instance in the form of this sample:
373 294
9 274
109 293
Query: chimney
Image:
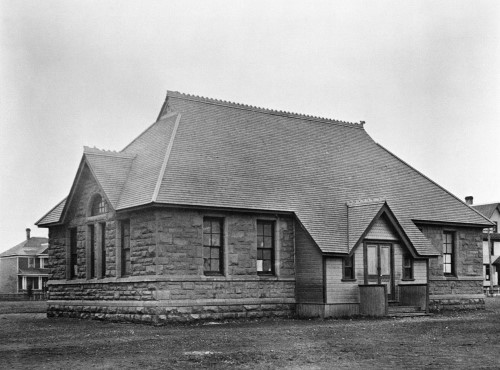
28 231
469 200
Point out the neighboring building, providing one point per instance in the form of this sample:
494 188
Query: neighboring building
226 210
491 243
24 266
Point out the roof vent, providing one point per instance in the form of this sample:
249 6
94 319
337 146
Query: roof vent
469 200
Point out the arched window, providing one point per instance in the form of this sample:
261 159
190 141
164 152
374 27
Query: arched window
99 206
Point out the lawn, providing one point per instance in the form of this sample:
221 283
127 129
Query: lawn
457 340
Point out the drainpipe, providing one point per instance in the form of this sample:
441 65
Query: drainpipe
489 254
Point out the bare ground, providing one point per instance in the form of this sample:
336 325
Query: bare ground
462 340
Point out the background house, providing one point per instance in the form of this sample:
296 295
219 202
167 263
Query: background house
25 266
224 210
491 243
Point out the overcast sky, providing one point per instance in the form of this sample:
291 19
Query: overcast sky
424 75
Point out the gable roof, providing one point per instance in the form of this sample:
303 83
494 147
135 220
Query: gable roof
110 169
487 209
363 214
211 153
29 247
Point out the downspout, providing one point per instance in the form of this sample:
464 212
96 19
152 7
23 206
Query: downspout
490 251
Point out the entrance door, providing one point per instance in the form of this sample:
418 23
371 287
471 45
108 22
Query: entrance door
379 266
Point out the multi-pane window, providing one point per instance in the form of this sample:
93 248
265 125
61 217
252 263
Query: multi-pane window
92 256
348 268
448 253
102 228
73 263
407 267
31 262
265 247
212 245
99 206
125 244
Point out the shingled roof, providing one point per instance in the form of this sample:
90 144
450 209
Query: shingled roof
487 209
29 247
210 153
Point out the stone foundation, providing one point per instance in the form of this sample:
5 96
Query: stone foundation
438 304
161 313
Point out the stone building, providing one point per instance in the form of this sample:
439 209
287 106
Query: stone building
222 210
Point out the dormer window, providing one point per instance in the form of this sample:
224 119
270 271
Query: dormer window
99 206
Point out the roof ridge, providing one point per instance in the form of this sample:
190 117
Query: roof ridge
485 204
160 118
106 153
365 202
202 99
165 159
431 181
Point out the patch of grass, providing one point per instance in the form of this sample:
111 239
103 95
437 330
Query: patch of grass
462 340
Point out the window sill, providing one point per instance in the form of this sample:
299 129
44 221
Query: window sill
213 274
408 279
349 280
266 274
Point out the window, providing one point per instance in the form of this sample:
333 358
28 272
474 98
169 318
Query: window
495 228
73 259
102 228
407 267
265 247
31 262
91 260
348 268
487 272
212 246
448 253
125 244
99 206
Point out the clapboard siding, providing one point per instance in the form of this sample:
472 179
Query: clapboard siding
419 267
338 291
309 268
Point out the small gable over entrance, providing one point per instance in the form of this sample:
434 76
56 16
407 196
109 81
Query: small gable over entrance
382 230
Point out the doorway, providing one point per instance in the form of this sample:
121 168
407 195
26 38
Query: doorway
379 266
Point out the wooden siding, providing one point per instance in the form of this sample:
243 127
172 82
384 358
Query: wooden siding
309 268
382 230
419 270
413 295
419 267
347 292
373 300
338 291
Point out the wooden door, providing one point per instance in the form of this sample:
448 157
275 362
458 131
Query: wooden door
379 266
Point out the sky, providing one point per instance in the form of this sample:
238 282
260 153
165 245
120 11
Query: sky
423 75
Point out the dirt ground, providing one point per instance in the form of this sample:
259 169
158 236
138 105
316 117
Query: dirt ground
461 340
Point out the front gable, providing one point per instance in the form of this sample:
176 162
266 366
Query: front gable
374 220
84 189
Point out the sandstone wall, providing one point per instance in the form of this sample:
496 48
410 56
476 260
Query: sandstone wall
167 280
463 289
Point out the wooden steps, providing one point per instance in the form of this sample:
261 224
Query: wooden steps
405 311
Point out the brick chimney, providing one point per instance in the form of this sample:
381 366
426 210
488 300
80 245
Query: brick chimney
28 232
469 200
